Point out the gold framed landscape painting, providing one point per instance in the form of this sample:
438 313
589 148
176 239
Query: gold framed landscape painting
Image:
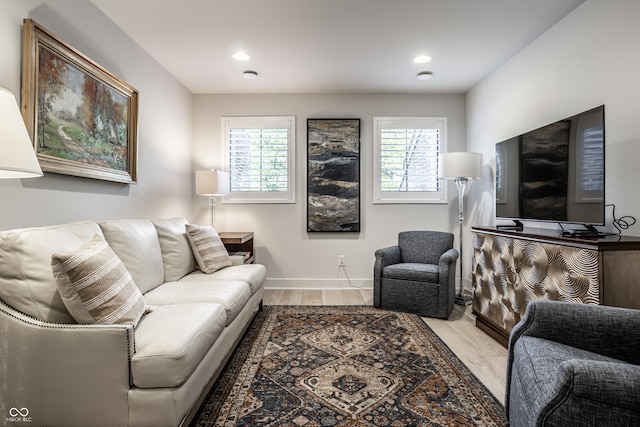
83 120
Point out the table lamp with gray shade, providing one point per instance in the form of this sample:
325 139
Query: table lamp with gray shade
17 156
460 167
212 183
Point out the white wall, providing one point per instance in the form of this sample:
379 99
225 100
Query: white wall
588 59
164 186
293 257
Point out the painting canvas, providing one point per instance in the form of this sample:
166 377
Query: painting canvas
82 119
333 175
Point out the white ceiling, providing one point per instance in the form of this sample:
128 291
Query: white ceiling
333 46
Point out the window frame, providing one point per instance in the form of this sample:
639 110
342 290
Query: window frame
262 122
409 197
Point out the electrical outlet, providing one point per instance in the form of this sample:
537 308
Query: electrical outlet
342 260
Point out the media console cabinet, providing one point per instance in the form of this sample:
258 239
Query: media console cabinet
511 268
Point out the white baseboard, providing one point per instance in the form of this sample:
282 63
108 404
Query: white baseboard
281 283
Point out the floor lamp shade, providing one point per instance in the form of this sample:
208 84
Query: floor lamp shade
17 156
460 165
212 183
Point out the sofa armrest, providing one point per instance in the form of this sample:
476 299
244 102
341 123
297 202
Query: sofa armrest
72 375
607 385
610 331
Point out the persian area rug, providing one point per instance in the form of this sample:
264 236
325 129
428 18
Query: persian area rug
346 366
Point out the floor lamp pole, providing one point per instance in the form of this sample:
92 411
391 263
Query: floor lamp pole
212 210
461 183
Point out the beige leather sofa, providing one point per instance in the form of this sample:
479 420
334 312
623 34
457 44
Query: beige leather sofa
55 372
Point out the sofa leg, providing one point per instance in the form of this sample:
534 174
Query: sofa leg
261 306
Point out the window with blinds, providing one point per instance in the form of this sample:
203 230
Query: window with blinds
592 155
406 160
589 157
259 152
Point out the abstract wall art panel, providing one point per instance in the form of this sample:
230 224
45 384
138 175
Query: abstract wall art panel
333 175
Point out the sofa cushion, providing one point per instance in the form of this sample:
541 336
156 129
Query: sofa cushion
232 295
253 274
26 278
177 257
135 241
172 340
95 286
208 249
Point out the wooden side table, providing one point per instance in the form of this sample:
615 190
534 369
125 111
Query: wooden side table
239 243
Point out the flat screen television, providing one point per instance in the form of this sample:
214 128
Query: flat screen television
554 173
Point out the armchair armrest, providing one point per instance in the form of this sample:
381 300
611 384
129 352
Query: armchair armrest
447 264
385 256
611 385
610 331
64 374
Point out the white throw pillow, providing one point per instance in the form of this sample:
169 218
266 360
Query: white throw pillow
208 249
96 287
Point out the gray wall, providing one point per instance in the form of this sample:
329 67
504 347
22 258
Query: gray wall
164 185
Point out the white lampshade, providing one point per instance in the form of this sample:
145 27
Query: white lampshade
460 165
17 156
212 183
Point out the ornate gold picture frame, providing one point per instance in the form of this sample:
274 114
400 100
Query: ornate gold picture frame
83 120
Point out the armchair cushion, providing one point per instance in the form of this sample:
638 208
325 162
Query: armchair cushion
423 247
413 271
542 362
574 364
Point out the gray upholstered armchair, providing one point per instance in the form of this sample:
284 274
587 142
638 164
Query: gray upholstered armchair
574 365
417 275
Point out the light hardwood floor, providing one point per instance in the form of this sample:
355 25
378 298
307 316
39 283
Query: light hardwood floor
480 353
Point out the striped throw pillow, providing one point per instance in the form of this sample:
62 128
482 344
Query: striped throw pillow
96 287
207 248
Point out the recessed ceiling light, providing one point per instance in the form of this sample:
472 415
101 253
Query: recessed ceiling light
422 59
250 75
425 75
241 56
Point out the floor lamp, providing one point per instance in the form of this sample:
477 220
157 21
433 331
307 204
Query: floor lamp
212 183
460 168
17 156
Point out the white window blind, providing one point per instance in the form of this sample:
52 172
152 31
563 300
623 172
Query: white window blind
409 159
259 152
589 155
406 160
592 155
